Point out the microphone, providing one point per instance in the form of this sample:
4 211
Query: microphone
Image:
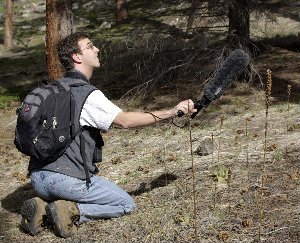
234 65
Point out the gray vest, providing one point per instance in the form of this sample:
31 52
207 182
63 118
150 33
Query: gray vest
71 162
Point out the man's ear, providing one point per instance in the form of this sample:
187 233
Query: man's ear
76 57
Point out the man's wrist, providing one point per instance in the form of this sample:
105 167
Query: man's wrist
173 112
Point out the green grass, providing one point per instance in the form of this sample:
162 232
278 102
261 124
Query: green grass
8 100
2 6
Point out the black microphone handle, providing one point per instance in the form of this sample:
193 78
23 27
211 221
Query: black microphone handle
180 113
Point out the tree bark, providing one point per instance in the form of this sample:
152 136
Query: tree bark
121 12
8 26
58 26
239 18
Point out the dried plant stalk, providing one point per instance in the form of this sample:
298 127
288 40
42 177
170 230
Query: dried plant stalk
212 152
214 186
289 87
219 147
268 89
247 156
218 162
194 181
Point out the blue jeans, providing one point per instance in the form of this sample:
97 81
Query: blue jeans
103 198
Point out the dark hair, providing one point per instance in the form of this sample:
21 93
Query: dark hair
69 46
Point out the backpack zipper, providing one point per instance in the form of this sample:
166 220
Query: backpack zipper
54 125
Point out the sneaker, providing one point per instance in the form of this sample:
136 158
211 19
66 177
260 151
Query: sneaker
63 215
33 215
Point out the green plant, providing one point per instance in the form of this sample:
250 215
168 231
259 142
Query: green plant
124 181
221 173
278 154
7 100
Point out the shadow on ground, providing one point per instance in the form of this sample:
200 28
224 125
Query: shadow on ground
161 181
13 201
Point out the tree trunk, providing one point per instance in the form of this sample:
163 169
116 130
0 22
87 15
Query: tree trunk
8 30
121 12
192 12
58 25
239 18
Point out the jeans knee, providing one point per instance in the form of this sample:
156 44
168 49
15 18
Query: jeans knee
130 206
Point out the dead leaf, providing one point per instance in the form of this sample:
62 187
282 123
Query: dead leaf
247 223
223 236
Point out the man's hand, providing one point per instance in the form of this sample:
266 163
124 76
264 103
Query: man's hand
185 107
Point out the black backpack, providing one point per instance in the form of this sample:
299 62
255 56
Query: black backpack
45 124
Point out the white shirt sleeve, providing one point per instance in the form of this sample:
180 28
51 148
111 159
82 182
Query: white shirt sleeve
98 111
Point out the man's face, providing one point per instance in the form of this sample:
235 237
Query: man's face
89 53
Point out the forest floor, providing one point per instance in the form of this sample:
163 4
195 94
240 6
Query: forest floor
181 195
154 164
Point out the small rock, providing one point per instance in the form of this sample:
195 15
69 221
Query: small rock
205 147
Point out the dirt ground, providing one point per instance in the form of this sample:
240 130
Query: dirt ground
184 196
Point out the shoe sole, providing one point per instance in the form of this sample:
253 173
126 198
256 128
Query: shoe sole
51 212
28 211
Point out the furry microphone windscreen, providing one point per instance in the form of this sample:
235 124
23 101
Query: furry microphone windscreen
234 65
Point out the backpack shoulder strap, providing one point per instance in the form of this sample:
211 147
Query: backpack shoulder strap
67 83
77 83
